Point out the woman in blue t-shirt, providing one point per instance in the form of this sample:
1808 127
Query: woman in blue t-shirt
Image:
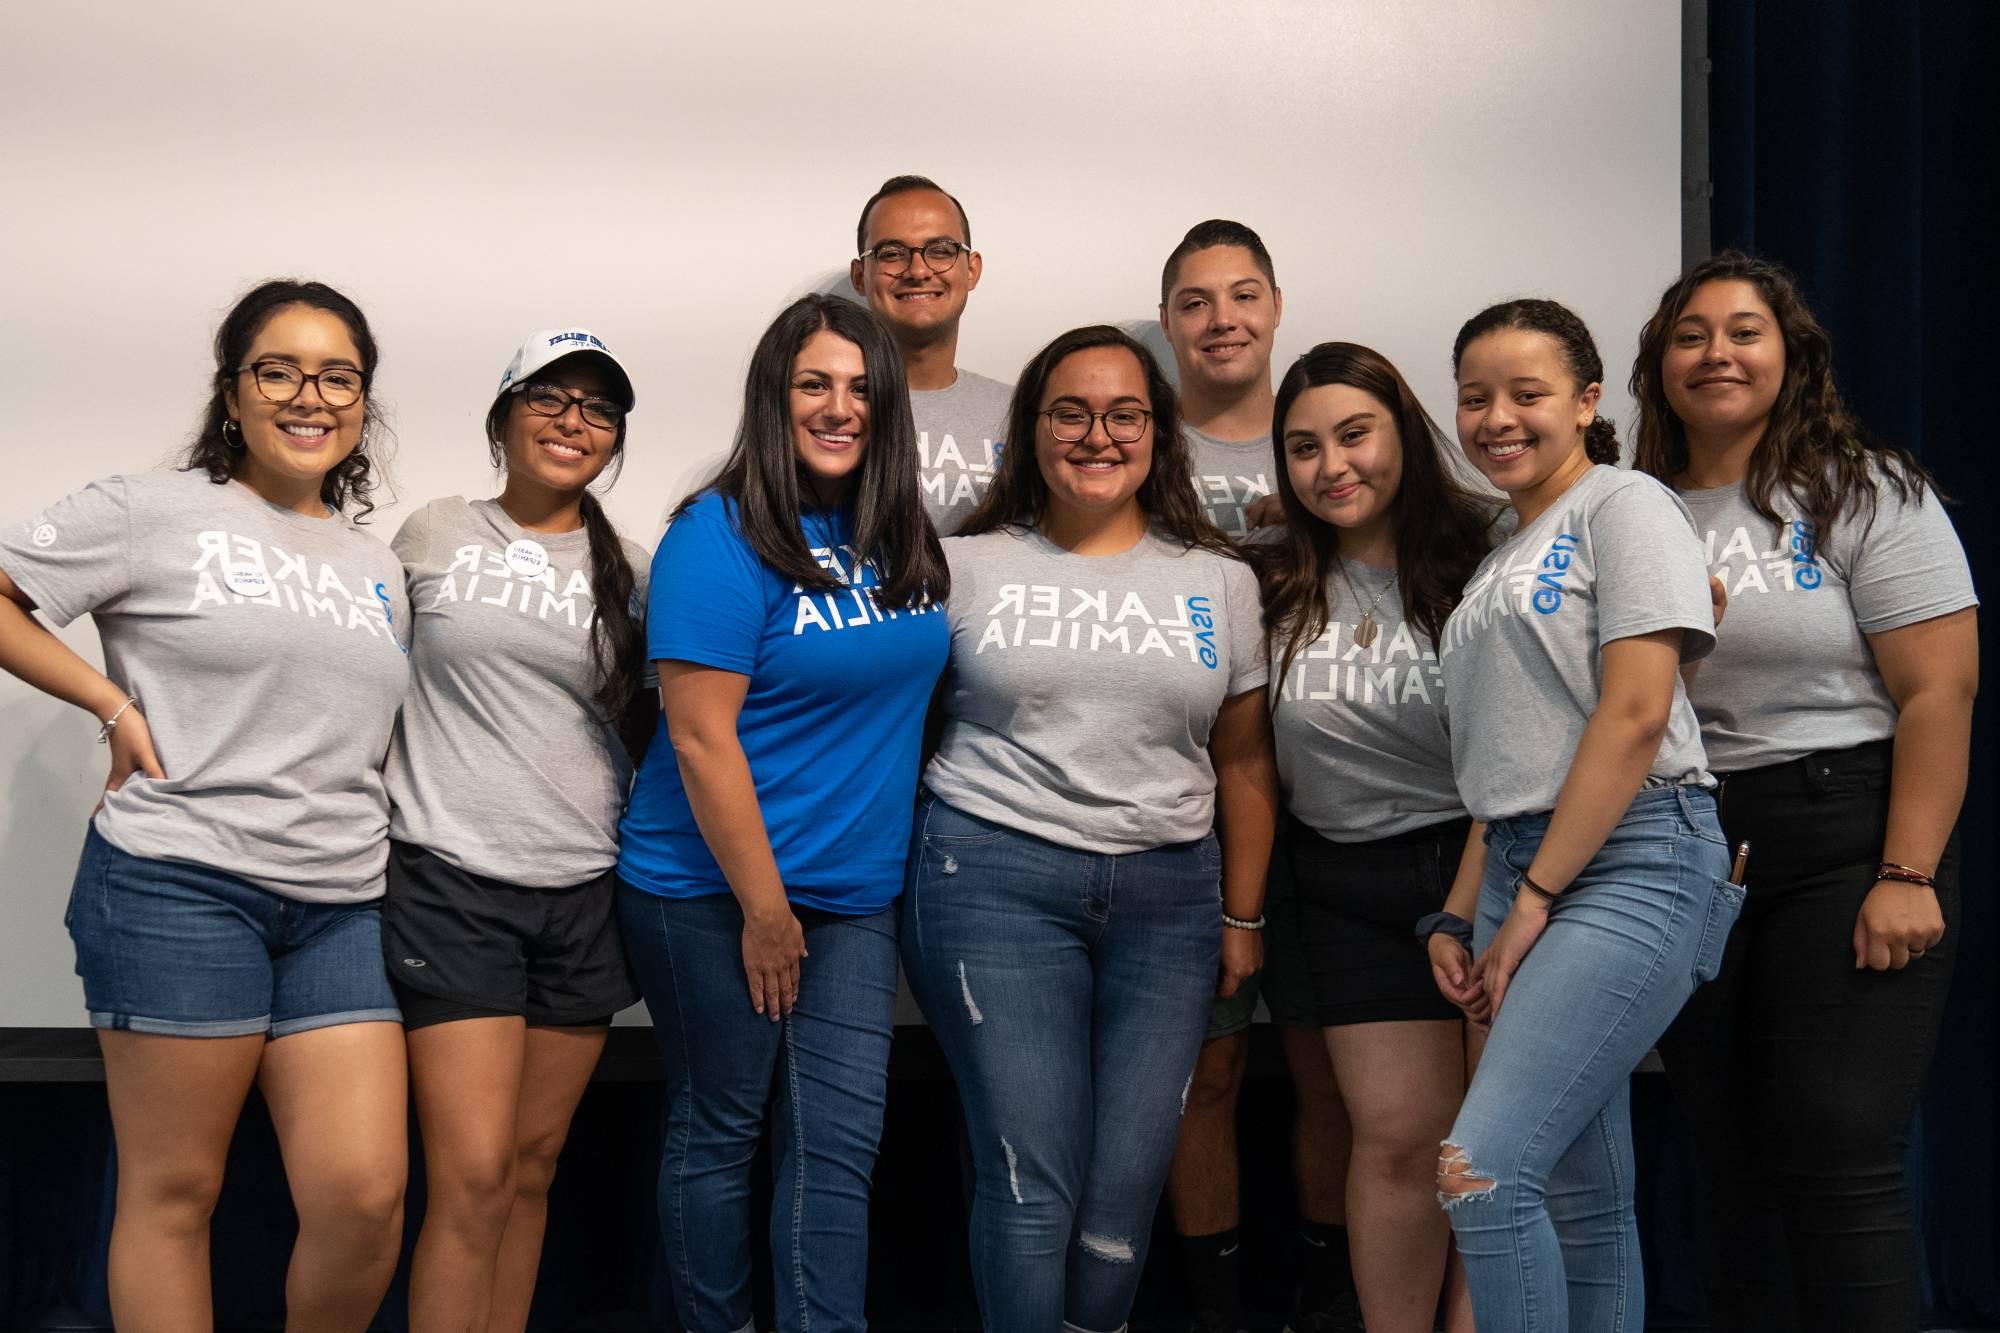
795 613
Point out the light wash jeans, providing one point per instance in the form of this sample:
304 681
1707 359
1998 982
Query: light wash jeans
1070 991
1553 1245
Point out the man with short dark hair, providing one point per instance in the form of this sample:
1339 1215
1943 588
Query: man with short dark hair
1220 307
915 266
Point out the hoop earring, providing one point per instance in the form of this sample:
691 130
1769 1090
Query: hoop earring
228 443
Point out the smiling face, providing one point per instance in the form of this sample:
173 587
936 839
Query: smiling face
292 445
1344 457
1521 413
563 453
1219 318
1724 363
1095 474
829 412
917 304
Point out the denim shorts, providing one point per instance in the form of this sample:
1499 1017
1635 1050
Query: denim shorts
183 950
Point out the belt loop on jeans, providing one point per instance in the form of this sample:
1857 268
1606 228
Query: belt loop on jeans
1686 803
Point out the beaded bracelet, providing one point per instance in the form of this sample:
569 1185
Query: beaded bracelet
1240 924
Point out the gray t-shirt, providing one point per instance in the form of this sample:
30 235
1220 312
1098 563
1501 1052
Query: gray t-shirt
1082 689
264 649
503 764
1363 747
1613 558
1229 476
959 434
1792 673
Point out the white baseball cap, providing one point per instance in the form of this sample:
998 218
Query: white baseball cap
544 349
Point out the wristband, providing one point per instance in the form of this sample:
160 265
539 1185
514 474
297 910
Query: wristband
1524 882
1238 923
111 723
1450 923
1903 874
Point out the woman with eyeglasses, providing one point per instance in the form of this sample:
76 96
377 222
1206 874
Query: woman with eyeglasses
794 616
508 777
225 911
1838 709
1072 912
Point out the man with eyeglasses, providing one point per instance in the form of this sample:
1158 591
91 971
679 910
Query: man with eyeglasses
915 266
1219 307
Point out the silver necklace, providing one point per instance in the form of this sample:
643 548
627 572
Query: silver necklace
1366 631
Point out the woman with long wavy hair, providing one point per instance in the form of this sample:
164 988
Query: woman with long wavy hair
1837 710
1087 868
1379 536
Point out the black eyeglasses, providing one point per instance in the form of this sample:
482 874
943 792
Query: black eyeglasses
281 381
548 401
894 256
1125 425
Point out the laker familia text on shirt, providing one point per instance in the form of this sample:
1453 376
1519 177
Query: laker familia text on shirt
233 569
949 478
1046 615
526 587
1228 496
1791 564
1532 586
853 607
1395 668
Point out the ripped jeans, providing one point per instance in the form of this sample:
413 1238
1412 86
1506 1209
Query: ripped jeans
1070 991
1551 1245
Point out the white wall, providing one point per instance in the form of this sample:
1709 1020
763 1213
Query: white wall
669 175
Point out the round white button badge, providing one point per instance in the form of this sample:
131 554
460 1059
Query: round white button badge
527 558
248 581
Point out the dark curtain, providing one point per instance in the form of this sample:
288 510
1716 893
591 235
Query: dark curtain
1854 142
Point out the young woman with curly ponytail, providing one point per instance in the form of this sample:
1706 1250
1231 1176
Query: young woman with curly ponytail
1837 709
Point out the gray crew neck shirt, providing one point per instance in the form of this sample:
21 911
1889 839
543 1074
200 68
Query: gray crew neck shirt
504 765
265 648
960 430
1614 557
1082 689
1793 672
1364 751
1230 476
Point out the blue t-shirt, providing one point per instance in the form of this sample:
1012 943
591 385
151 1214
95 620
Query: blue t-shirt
831 723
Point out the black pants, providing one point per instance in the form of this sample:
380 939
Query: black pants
1798 1073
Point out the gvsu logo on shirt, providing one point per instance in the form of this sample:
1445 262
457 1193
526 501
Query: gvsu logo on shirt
1547 598
1805 555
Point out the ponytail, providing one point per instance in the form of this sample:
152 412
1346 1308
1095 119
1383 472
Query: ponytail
1600 441
615 650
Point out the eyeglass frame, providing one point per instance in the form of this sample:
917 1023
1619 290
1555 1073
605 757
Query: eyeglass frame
871 253
576 400
305 379
1145 413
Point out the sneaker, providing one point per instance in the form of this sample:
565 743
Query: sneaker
1343 1316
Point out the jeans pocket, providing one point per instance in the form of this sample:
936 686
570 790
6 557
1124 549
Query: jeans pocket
1725 902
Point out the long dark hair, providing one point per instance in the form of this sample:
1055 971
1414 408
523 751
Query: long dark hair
617 652
1813 446
1579 353
1167 495
354 478
761 474
1442 528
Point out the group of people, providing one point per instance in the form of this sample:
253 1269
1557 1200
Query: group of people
1100 707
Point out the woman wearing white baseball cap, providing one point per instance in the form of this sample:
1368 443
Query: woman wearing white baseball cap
508 776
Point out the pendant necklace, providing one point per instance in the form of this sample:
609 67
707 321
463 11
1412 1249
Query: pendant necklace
1367 629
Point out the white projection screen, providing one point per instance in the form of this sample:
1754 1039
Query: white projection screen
670 175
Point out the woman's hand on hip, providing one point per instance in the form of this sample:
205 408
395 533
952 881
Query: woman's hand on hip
131 743
773 945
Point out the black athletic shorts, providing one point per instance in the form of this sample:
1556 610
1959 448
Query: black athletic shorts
1359 904
460 945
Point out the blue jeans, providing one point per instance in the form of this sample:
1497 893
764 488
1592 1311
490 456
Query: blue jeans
822 1074
1070 991
1553 1244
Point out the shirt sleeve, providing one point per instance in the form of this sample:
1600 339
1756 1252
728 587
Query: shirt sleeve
1248 669
1911 565
705 602
1649 571
412 542
74 556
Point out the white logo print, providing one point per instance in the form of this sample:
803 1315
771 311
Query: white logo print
45 534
